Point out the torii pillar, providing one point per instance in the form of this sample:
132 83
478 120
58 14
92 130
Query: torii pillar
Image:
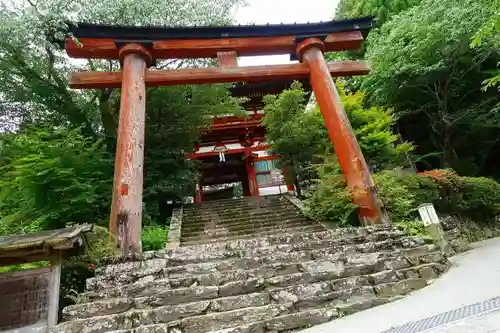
126 206
351 159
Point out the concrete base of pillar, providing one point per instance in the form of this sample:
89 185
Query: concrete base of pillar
174 232
437 233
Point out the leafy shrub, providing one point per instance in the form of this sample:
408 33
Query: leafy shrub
396 196
414 228
331 201
51 177
475 198
423 189
480 198
472 197
153 237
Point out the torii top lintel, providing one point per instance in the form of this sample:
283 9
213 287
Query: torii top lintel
104 41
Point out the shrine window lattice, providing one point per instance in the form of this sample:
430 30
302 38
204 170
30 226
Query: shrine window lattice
25 298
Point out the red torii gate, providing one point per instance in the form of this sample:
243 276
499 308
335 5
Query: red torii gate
138 47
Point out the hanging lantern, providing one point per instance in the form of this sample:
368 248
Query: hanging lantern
221 149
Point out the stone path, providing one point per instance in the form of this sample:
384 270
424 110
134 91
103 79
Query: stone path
473 279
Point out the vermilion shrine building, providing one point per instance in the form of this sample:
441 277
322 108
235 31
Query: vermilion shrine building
240 140
234 149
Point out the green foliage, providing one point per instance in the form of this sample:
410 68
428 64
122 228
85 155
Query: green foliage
20 267
423 68
294 134
300 138
414 228
398 199
423 189
373 129
154 237
33 85
331 201
51 177
382 10
469 197
489 33
480 198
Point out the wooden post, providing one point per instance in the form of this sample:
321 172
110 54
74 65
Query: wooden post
227 59
351 160
252 178
199 192
288 181
126 207
55 286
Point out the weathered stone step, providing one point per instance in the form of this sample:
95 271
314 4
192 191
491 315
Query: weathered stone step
244 224
188 317
246 203
250 228
301 266
239 218
339 297
267 263
299 240
174 301
262 232
230 224
213 235
256 248
298 320
239 212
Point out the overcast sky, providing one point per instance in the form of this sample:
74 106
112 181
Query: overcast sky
282 11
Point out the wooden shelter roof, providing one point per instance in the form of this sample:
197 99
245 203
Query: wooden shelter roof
41 245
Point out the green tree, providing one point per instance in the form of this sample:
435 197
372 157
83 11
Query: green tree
423 68
34 93
175 118
51 177
381 10
489 33
295 134
33 69
300 138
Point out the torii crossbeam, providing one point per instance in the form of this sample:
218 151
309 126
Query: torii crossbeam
138 47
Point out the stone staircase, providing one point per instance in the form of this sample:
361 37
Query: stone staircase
279 282
249 217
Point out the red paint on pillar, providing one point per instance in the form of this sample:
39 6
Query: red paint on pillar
227 59
126 207
289 184
349 155
199 194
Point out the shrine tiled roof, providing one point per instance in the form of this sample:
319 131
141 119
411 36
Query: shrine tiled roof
90 30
